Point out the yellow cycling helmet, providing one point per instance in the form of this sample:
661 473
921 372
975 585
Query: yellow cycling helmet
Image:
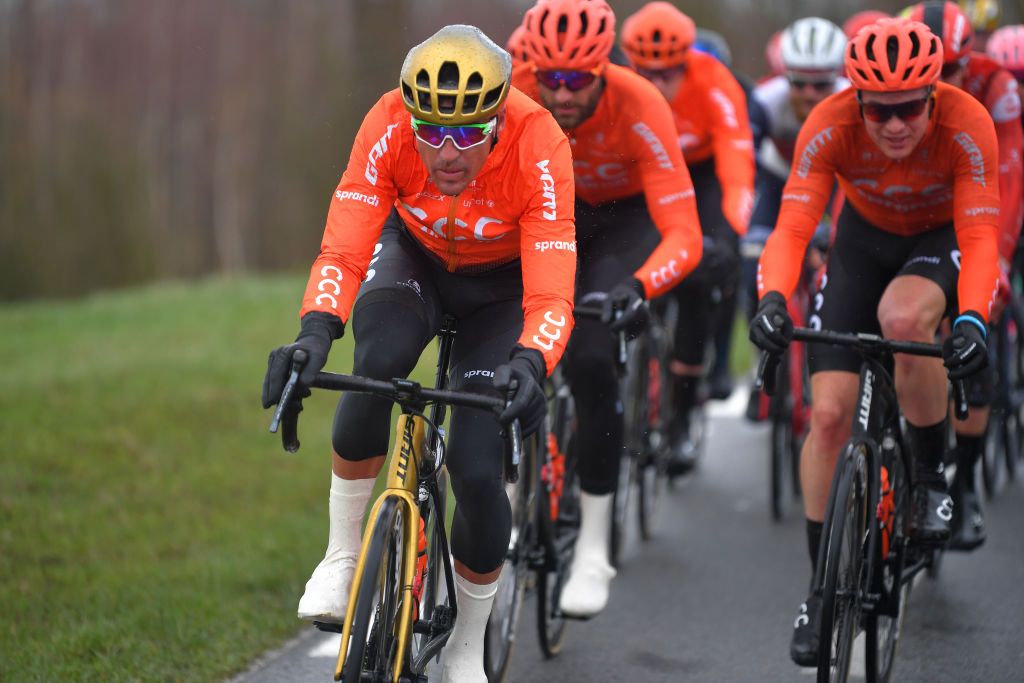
456 76
984 14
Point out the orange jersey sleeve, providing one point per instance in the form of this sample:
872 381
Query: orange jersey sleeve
357 212
547 239
628 146
710 111
949 177
519 206
1003 103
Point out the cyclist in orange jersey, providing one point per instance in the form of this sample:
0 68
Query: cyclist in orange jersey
995 88
710 111
457 200
516 46
859 20
639 236
917 160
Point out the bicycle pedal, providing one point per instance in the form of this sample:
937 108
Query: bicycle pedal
328 627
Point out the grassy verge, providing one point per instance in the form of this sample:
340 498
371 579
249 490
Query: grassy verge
150 527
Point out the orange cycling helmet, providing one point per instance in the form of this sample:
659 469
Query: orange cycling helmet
1006 46
516 46
574 35
950 25
891 55
658 36
861 19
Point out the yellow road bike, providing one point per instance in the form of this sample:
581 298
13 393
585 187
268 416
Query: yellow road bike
402 605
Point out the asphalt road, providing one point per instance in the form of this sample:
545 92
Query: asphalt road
714 596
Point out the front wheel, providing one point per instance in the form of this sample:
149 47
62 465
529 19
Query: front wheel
372 639
500 634
843 580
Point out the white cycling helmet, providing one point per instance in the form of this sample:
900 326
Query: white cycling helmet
813 44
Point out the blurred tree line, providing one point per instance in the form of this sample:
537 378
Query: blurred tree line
149 139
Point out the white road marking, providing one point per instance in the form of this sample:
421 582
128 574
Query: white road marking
327 647
735 406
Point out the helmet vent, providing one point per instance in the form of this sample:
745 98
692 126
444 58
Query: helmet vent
475 82
423 79
448 76
656 36
492 96
407 95
469 103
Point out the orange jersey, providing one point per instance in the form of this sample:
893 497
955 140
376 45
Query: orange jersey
520 205
627 146
950 177
710 111
996 88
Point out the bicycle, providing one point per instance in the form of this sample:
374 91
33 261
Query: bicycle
397 618
545 524
866 562
1005 430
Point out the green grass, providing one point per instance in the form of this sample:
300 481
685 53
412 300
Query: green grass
150 527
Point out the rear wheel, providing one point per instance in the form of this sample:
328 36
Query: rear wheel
843 575
372 640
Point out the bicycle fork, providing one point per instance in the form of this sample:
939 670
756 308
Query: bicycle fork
402 485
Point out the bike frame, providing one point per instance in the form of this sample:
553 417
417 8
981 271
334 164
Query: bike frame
876 419
410 484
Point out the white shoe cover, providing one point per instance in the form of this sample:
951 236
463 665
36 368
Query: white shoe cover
462 660
326 596
586 592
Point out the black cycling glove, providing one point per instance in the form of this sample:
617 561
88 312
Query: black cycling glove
318 331
964 352
771 329
528 405
627 297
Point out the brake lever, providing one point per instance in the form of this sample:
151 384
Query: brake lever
514 436
299 359
960 406
767 371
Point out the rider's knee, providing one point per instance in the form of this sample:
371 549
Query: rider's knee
905 324
830 421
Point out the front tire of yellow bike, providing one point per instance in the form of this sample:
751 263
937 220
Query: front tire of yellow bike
372 639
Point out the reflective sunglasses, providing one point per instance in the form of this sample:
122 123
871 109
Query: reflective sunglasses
662 74
818 85
905 111
573 80
463 137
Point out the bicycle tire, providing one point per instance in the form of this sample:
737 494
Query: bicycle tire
652 469
379 582
883 630
500 632
991 447
780 411
620 508
558 537
843 580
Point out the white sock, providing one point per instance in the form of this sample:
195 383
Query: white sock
345 509
464 653
595 527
